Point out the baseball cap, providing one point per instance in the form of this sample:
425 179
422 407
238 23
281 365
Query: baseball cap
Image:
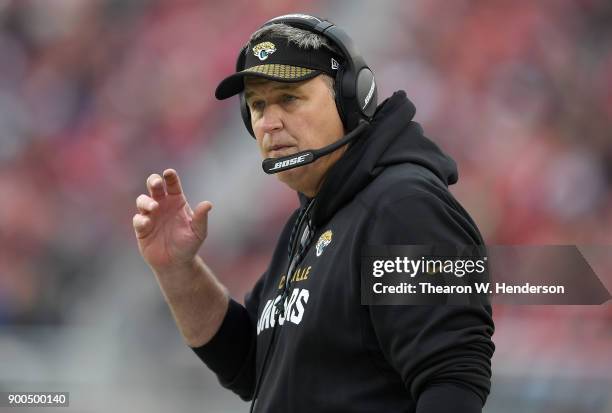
275 58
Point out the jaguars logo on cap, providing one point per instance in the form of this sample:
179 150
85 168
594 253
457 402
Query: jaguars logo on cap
324 240
263 50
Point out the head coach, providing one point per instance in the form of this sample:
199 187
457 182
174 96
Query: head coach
365 175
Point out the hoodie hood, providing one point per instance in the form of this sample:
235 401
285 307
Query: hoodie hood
392 138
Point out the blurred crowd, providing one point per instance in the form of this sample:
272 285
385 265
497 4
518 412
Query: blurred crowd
94 96
520 93
97 94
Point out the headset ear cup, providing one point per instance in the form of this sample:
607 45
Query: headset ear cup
366 93
246 115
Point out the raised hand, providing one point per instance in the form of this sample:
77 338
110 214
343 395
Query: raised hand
168 231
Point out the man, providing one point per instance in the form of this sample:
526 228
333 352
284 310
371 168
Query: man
303 342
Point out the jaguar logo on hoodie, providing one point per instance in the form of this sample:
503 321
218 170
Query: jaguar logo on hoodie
324 240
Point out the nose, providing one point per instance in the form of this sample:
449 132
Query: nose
270 121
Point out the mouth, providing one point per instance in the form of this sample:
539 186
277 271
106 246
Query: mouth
278 151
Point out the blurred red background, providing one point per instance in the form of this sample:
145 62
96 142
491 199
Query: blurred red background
96 95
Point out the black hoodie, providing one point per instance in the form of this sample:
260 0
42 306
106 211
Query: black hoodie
330 353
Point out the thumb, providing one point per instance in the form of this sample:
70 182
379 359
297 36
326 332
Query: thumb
199 220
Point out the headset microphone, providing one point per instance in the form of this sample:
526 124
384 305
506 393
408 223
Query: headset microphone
283 163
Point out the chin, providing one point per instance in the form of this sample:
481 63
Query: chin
294 178
289 177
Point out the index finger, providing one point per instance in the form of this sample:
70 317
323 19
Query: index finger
173 183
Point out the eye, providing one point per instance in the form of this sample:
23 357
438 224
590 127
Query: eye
288 98
257 105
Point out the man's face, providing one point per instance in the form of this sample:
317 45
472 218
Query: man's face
291 117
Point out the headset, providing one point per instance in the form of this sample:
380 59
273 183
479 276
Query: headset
355 87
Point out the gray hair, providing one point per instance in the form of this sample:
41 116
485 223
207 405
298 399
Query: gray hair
303 39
